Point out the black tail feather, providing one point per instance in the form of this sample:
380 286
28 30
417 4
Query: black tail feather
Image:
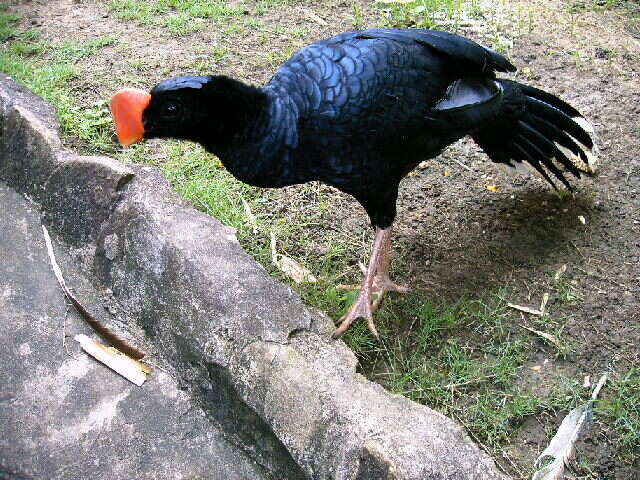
534 162
548 146
559 136
562 120
552 100
538 130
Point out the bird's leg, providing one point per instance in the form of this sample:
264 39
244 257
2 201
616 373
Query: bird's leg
381 282
376 280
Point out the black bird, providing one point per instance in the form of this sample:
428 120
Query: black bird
359 111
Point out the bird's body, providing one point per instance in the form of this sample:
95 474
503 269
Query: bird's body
360 110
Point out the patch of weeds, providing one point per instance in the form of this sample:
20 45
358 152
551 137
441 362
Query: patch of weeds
274 59
182 24
359 338
561 343
7 26
493 315
443 14
298 32
176 15
253 22
263 6
47 70
434 319
493 417
8 30
464 359
142 12
219 53
72 52
629 10
566 395
233 30
509 357
137 64
211 9
27 49
622 410
567 295
358 19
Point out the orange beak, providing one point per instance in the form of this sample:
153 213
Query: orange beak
127 107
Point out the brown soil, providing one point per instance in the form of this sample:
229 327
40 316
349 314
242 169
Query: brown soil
460 238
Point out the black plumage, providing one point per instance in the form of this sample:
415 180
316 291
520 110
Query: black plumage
360 110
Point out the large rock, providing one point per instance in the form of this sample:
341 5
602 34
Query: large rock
259 363
63 416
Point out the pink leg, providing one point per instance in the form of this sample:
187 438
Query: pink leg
376 280
381 282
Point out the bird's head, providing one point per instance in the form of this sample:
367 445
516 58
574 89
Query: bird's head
174 108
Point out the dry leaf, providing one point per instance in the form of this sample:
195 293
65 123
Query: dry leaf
561 449
530 310
250 216
551 338
447 173
289 266
543 303
582 219
134 371
493 188
86 315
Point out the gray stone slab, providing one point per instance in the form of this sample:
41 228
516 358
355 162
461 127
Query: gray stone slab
65 416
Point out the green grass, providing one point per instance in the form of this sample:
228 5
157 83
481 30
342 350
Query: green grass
182 24
47 70
142 12
444 14
263 6
452 16
7 26
71 52
180 17
622 410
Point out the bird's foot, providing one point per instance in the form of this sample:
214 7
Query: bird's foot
383 284
362 308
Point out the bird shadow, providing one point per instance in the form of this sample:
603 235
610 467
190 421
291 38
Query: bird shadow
497 241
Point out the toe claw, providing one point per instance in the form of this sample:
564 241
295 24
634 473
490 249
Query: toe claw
372 328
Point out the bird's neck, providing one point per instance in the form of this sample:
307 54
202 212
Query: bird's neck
230 114
250 133
246 128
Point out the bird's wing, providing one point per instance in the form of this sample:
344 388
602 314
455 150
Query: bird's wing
469 55
381 81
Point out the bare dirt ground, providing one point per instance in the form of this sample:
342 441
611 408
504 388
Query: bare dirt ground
458 238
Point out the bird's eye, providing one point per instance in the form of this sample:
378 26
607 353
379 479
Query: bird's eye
171 109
